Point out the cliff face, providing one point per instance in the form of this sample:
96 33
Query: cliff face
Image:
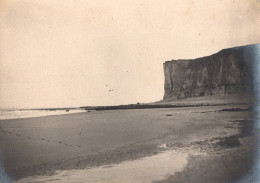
226 72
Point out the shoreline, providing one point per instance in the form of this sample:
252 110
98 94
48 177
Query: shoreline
202 157
228 100
110 137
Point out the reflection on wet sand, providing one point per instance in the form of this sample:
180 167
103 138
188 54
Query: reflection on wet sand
145 170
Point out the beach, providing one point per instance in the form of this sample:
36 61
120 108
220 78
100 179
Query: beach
202 144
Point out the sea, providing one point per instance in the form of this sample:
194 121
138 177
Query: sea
31 113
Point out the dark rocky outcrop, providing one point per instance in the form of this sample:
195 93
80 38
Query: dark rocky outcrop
226 72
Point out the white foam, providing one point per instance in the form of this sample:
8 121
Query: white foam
16 114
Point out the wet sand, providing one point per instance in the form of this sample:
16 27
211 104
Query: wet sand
143 170
218 144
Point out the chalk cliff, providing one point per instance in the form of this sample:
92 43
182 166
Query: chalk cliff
227 72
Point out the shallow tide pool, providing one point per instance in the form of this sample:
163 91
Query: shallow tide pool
145 170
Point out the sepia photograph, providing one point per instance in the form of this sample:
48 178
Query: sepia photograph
129 91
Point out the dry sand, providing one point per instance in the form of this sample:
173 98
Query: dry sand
216 145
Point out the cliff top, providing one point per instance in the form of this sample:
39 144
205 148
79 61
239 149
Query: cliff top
223 51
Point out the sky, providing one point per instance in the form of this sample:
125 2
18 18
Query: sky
71 53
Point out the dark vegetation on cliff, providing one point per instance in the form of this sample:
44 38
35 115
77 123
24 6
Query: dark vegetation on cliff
227 72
